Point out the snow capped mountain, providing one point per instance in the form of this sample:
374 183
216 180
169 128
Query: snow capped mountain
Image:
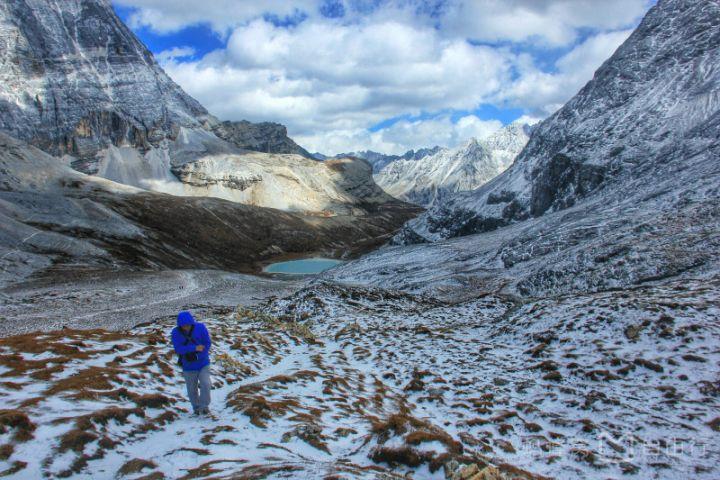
380 160
76 82
620 187
433 176
649 110
560 321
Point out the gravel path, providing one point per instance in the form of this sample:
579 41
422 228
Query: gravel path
119 300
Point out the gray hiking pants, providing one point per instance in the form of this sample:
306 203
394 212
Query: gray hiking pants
195 379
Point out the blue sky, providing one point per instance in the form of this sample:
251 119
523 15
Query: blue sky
386 75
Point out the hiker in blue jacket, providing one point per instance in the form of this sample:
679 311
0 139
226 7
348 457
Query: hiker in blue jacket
191 341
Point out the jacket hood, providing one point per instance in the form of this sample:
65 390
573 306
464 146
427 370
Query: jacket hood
185 318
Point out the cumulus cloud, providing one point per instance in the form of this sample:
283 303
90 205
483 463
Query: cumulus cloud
164 16
322 76
402 136
555 22
330 78
552 22
542 93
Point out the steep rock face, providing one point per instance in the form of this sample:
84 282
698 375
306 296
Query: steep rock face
117 115
74 79
431 177
265 137
648 106
199 164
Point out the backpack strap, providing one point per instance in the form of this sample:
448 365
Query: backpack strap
188 336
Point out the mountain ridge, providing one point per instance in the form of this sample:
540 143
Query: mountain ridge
447 171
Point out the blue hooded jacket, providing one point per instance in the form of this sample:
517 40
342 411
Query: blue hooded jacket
199 336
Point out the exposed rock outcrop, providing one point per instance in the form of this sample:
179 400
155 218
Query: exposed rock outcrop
265 137
75 79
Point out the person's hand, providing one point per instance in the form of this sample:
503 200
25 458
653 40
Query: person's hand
200 348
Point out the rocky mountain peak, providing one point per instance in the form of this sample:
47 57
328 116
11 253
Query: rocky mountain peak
75 79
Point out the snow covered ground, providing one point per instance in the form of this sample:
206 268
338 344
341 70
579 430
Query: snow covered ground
343 382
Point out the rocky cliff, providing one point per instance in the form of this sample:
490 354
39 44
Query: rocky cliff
621 187
76 83
265 137
75 79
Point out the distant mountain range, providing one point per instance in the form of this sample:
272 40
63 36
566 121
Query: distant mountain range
380 160
442 171
424 175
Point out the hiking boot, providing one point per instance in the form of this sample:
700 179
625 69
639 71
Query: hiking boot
205 411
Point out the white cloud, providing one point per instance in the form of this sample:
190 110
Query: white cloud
543 93
402 135
324 76
175 53
329 80
165 16
553 22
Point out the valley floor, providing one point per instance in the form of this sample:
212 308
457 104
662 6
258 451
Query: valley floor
345 382
124 299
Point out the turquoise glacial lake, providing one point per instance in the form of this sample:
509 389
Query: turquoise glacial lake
306 266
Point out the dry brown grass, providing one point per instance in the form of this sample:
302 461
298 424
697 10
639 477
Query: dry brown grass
259 409
104 416
397 456
75 440
415 432
153 400
231 364
259 472
136 465
39 369
86 383
207 469
19 422
16 466
6 451
310 434
152 476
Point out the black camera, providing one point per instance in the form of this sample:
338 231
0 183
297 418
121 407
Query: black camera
191 357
